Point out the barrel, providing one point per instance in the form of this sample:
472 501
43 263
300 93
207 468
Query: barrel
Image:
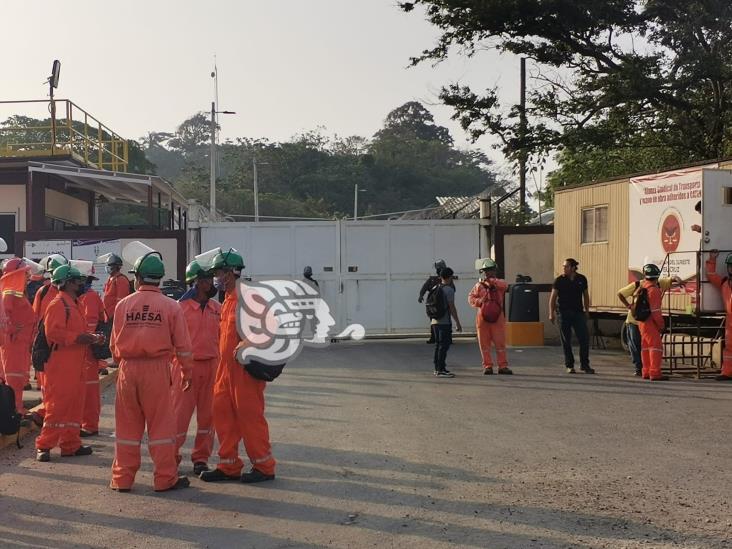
524 303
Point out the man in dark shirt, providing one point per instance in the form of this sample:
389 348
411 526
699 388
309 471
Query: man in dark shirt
571 300
430 283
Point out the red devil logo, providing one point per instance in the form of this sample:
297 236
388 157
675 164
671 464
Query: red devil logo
670 233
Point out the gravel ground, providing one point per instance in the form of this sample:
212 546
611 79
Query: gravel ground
375 452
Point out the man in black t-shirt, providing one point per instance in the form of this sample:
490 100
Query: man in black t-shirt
571 300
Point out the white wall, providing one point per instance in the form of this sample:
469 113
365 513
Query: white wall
67 208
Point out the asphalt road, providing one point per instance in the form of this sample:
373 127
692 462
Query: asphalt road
375 452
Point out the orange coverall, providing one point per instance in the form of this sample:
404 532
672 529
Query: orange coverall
93 309
40 304
64 376
116 288
490 333
20 329
148 331
238 404
203 327
726 288
650 329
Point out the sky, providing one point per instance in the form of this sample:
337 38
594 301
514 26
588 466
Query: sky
285 66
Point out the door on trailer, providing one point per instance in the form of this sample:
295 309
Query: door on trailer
716 223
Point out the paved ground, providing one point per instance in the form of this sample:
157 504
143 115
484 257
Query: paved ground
375 452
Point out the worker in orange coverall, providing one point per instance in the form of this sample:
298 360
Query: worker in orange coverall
491 331
238 397
148 331
93 309
203 316
42 299
724 284
652 327
117 286
20 328
68 339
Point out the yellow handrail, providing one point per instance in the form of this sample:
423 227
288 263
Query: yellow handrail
74 135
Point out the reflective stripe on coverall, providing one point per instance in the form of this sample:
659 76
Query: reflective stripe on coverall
203 327
20 329
91 305
116 288
64 376
148 330
238 406
490 333
650 329
726 289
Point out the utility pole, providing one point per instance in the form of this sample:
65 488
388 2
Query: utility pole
212 154
522 140
256 190
355 202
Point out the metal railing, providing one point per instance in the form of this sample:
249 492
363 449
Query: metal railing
71 131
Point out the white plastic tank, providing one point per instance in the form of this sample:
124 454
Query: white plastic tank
86 268
134 251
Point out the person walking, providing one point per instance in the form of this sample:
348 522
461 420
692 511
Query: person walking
570 302
203 316
68 340
724 285
238 402
148 331
442 322
488 297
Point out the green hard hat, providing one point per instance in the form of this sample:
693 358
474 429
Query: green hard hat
228 260
728 261
64 273
487 264
651 271
194 271
53 261
149 266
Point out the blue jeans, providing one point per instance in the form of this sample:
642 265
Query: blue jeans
443 340
633 338
577 321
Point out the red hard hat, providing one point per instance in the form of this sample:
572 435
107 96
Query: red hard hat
12 265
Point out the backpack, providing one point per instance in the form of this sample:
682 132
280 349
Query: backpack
102 352
436 303
41 350
264 372
641 307
9 417
491 310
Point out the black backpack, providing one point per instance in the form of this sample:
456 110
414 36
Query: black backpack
436 304
41 350
9 417
641 308
265 372
102 352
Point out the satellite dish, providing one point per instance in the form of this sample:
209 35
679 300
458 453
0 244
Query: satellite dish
55 73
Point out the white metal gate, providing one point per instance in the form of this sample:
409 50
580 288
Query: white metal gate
369 272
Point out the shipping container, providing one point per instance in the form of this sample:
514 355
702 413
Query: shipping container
612 228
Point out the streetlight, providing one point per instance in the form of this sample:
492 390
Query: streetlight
355 200
212 154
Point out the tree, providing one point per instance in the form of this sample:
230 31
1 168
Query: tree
614 74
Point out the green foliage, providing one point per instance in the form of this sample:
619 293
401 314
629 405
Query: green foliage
621 85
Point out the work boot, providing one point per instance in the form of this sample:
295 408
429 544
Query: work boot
638 373
103 372
85 434
43 455
443 373
199 467
659 378
182 482
217 475
81 451
587 370
487 371
571 371
722 377
505 371
255 475
36 418
120 490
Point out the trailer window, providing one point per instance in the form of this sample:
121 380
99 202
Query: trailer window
727 196
594 225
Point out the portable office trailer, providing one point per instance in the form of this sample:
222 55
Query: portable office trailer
614 227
